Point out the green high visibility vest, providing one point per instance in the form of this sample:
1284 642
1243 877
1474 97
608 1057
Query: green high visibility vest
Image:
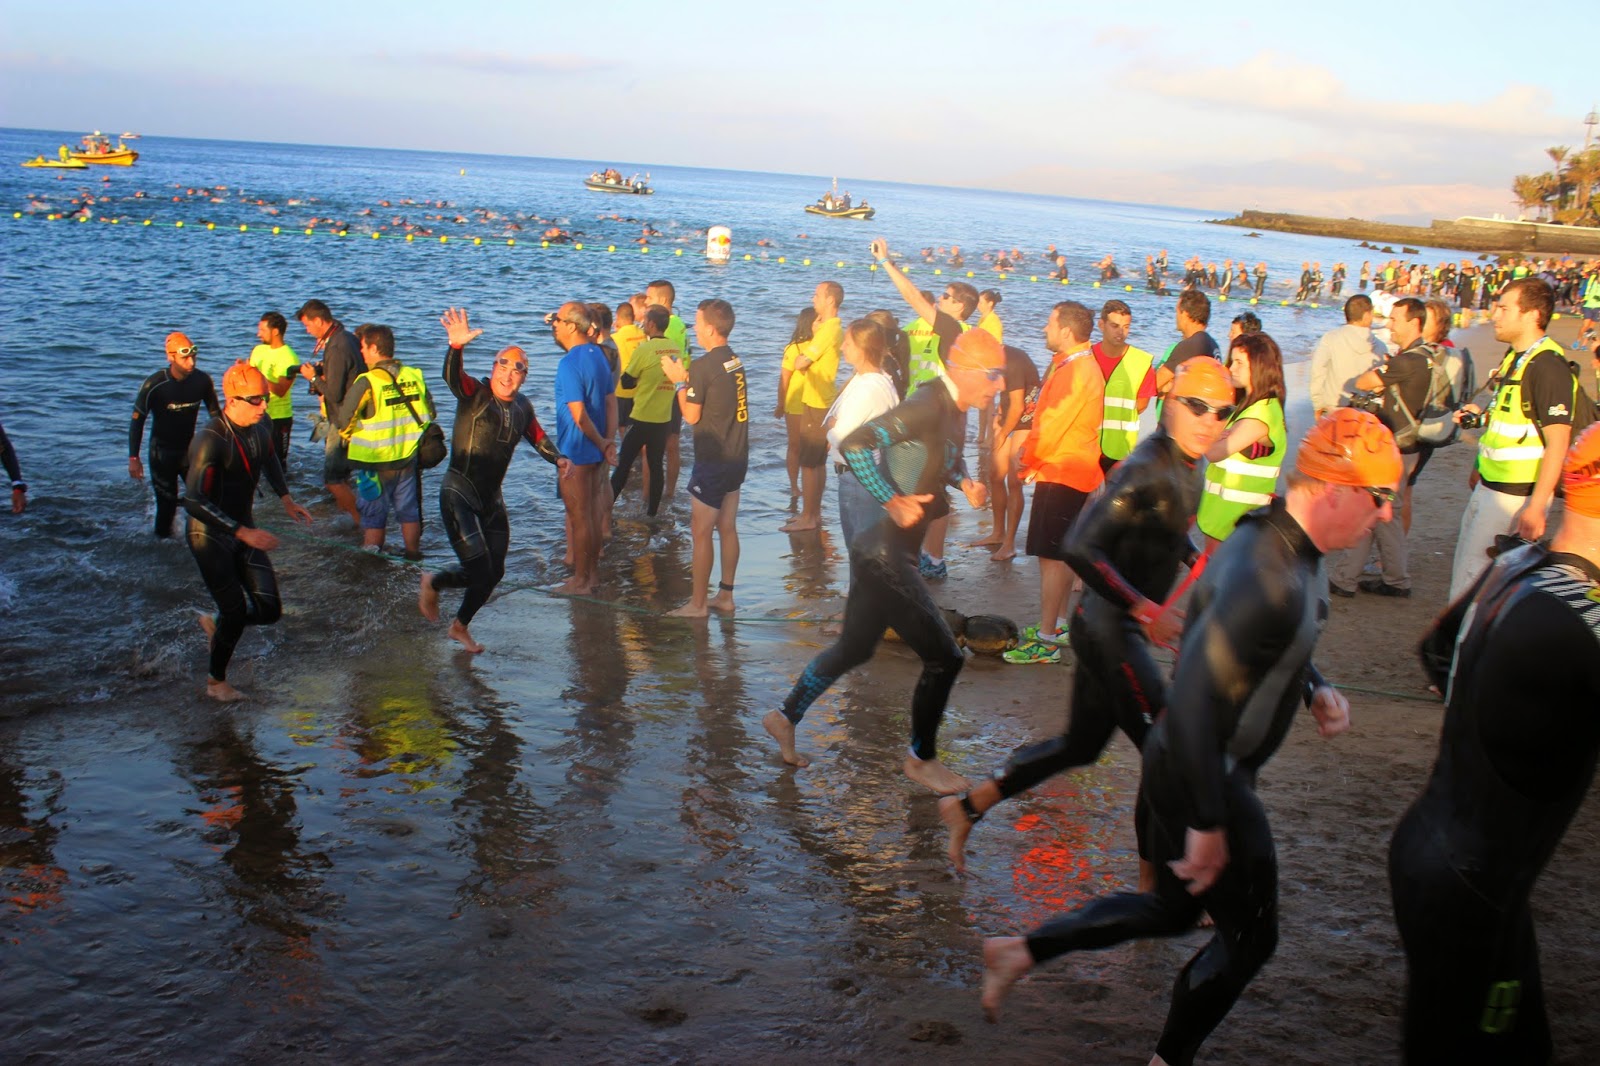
1119 421
1591 293
1510 449
925 361
390 433
1236 485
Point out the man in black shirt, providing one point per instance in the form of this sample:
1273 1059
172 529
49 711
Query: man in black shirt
1518 659
1193 315
171 398
340 365
1404 380
716 402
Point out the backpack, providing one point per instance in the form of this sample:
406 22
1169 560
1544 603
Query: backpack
1584 413
1449 385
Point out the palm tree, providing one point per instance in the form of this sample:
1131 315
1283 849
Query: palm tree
1584 173
1558 155
1529 190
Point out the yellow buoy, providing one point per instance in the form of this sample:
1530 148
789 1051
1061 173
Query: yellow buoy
805 262
579 247
644 249
211 225
1252 301
477 240
1127 288
1002 277
747 257
1097 284
444 239
677 251
1220 296
411 237
611 247
243 228
781 259
511 242
375 236
147 222
936 270
308 232
544 244
970 274
873 267
275 229
179 225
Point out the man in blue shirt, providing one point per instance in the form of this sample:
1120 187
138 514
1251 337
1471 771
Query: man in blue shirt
586 418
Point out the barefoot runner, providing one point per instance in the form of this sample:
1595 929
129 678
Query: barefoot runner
1128 545
1244 666
492 416
226 461
921 445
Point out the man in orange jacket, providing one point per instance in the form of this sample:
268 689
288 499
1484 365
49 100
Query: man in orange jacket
1062 458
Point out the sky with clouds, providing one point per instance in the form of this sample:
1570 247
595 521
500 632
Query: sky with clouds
1427 111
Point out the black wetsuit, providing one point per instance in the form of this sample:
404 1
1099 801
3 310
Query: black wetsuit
1243 669
1127 546
173 407
226 463
921 444
1519 661
8 458
485 436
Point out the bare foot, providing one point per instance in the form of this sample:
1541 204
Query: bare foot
461 635
782 730
208 622
223 692
1003 554
935 776
799 525
428 599
688 610
722 602
955 819
1005 959
573 587
991 541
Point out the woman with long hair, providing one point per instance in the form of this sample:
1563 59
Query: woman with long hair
791 407
869 393
1243 466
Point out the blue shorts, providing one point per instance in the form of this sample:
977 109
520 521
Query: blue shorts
710 483
1591 314
401 494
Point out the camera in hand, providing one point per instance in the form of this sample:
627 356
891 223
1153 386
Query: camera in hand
1470 420
1371 402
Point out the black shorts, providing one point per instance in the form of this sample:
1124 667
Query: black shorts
1055 508
710 483
624 411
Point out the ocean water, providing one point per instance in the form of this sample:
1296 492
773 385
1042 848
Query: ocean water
400 849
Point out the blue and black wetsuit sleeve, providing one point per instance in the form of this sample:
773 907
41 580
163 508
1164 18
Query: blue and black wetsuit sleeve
859 449
208 458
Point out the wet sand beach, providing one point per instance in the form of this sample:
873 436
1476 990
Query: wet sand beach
582 847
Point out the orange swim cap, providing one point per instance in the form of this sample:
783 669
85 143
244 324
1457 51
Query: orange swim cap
1204 379
242 379
1350 447
1580 477
177 340
978 350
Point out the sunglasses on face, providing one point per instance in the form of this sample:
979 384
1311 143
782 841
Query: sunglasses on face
1199 408
253 401
515 366
1381 496
184 353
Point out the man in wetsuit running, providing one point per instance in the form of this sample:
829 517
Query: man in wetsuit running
1518 659
921 441
171 398
1128 545
492 415
226 462
1243 667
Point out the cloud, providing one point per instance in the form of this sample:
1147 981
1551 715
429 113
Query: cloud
475 61
1280 86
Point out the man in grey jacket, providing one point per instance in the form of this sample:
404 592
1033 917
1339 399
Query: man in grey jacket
1344 354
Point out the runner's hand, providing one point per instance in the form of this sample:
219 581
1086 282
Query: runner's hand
1205 856
879 248
1165 628
460 332
1331 710
295 511
563 468
135 468
256 538
906 511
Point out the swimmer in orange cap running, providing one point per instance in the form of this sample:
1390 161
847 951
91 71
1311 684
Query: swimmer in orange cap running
1243 668
226 463
1128 546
